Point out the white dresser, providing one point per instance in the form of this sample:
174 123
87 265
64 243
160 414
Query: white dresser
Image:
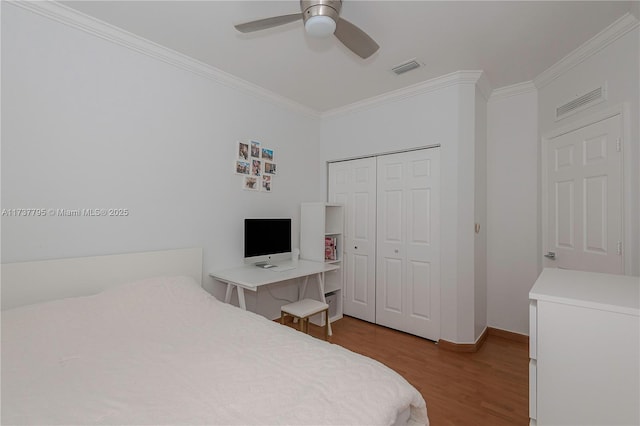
584 350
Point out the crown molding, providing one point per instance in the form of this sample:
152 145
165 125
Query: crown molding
620 27
484 86
513 90
454 78
78 20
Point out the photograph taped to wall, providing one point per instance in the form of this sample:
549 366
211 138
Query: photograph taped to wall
243 167
243 150
255 149
250 183
255 167
266 183
269 168
267 154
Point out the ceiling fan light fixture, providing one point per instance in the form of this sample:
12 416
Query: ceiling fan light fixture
321 19
320 26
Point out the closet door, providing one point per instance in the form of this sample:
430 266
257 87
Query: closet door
353 184
408 246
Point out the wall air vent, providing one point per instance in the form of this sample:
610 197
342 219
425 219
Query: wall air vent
407 66
582 102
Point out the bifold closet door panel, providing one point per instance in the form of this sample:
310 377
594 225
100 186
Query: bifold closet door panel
391 261
353 184
408 242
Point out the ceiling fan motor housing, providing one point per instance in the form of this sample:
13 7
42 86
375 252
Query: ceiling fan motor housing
311 8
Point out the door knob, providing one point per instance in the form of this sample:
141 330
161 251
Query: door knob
550 255
395 251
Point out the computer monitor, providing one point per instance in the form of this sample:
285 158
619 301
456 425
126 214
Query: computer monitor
267 240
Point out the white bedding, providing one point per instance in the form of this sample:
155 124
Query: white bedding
163 351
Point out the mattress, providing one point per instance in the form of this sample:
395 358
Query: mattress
164 351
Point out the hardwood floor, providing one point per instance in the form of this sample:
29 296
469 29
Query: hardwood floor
488 387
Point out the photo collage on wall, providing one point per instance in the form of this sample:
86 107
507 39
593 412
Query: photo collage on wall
256 165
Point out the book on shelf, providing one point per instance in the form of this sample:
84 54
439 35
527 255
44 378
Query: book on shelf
330 248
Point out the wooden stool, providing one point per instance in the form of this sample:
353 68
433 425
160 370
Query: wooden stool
302 310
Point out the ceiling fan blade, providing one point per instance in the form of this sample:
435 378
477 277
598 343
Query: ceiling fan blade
355 39
263 24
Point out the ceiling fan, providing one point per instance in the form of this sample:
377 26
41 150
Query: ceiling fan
321 19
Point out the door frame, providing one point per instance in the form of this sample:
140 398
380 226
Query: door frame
623 110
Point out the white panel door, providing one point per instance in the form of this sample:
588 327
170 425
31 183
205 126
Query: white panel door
584 199
408 246
353 183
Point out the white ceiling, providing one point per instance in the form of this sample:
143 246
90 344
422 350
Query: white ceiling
511 41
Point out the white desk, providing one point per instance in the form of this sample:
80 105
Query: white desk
250 277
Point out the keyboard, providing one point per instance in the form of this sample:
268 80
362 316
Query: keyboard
282 268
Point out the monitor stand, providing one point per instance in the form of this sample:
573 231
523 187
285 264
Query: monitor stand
264 265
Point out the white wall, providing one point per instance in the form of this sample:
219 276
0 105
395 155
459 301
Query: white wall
617 65
444 116
88 123
512 207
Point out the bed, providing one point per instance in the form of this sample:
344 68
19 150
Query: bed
161 350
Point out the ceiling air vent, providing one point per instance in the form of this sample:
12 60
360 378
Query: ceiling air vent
407 66
583 102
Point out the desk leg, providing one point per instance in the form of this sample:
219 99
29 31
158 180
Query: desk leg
322 298
303 291
227 296
243 305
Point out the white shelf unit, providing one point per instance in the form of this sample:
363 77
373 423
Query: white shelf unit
319 221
